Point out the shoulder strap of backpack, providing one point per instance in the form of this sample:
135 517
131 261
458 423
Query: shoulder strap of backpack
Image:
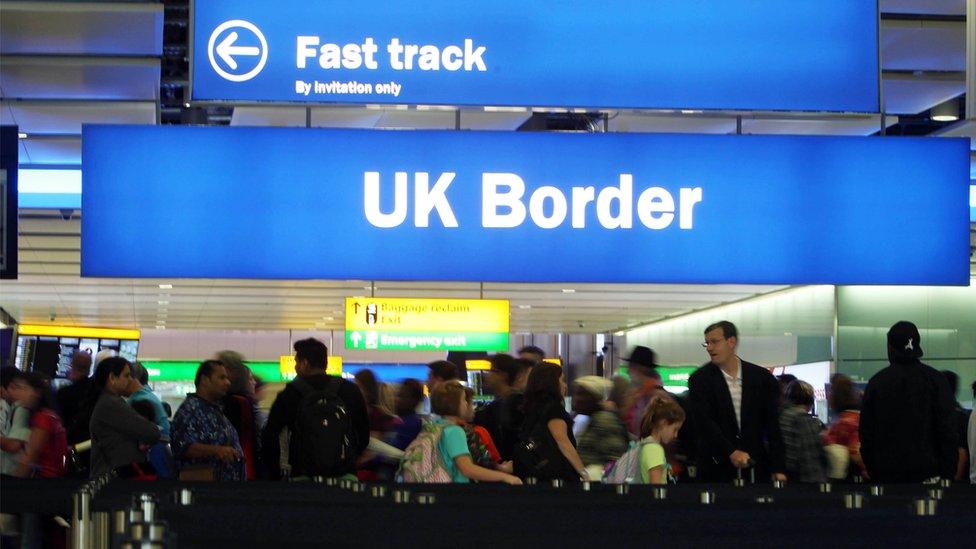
332 388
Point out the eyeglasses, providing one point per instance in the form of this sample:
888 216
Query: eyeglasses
712 342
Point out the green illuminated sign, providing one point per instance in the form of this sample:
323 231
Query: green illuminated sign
374 340
180 370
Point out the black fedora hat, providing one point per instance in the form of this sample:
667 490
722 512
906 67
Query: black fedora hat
642 356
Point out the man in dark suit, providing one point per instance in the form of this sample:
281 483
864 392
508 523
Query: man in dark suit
735 404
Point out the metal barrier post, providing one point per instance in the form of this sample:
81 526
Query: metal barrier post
81 534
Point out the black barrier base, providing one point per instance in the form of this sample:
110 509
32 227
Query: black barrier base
480 515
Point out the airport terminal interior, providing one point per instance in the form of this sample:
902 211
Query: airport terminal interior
438 274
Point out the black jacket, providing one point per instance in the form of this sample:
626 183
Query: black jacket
908 431
718 432
284 414
503 418
75 414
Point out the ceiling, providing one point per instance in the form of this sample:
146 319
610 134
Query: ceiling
64 64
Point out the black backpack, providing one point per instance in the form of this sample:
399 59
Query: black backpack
537 454
327 440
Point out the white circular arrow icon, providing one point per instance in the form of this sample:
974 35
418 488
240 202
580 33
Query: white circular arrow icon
229 53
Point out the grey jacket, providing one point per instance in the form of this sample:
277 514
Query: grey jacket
116 433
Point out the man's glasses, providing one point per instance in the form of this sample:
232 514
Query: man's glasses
712 342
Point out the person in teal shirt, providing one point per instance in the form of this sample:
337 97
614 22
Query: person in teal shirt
660 425
449 401
140 392
159 454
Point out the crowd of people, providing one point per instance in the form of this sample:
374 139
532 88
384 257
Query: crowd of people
735 420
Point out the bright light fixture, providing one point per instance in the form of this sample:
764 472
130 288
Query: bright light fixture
163 302
21 135
525 306
165 286
506 109
946 112
569 291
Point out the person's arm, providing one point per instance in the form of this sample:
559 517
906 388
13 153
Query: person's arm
199 450
700 393
38 439
19 430
11 445
125 420
854 449
655 475
557 428
476 472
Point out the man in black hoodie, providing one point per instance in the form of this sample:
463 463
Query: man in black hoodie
907 429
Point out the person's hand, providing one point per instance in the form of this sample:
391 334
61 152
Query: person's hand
584 475
739 459
506 467
227 454
779 476
512 480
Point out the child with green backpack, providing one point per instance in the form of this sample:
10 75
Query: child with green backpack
646 462
440 452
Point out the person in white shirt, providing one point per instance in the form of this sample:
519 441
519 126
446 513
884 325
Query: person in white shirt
14 424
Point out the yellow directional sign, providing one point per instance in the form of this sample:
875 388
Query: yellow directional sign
385 323
426 315
76 331
286 364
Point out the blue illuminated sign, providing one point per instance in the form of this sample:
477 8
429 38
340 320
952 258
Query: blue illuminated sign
798 55
523 206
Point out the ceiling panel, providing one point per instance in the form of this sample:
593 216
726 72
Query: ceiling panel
338 117
924 7
380 117
81 28
113 78
414 119
268 116
907 94
632 122
478 119
67 117
811 126
923 45
51 150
